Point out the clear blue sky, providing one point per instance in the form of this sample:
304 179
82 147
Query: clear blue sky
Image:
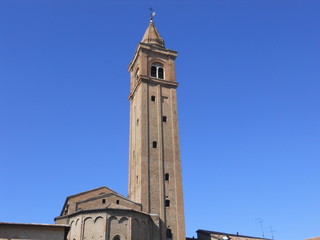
249 112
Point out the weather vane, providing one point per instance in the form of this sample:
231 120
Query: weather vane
152 14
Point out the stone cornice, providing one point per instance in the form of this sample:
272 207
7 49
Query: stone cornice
106 196
152 48
100 210
152 80
158 49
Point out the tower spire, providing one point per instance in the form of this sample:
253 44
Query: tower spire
152 36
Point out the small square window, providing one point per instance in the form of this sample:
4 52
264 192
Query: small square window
153 98
164 118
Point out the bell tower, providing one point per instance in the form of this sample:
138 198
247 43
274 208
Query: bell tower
154 156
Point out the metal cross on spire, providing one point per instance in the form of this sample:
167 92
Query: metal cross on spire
152 14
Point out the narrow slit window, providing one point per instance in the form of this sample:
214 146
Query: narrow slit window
154 144
166 176
167 203
153 98
164 118
103 201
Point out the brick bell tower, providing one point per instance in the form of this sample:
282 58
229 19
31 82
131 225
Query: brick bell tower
154 156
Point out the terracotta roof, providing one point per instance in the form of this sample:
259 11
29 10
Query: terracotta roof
110 207
35 225
92 190
227 234
117 206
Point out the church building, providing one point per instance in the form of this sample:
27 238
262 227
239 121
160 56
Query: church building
154 208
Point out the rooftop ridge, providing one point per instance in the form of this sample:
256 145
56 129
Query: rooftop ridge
229 234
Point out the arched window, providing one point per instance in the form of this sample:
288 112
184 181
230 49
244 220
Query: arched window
157 71
160 73
153 71
169 233
117 237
